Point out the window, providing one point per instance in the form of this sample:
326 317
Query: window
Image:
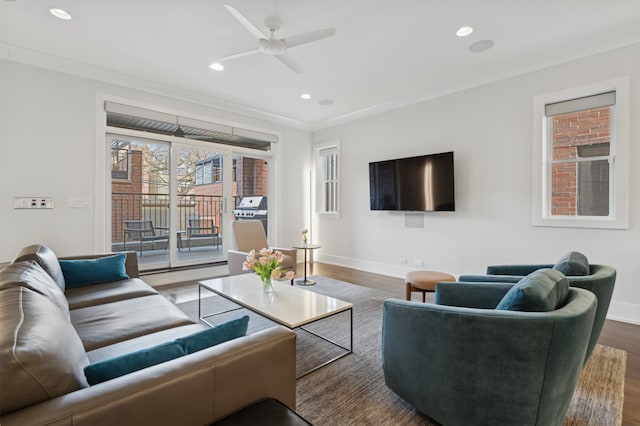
580 162
120 154
327 178
209 171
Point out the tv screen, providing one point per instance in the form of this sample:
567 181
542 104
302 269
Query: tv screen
423 183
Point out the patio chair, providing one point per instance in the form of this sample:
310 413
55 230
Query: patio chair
196 230
143 231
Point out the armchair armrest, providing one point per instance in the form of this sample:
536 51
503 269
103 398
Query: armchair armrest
514 269
471 295
289 252
235 259
490 278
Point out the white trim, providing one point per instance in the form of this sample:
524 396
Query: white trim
102 157
625 312
50 62
619 219
318 164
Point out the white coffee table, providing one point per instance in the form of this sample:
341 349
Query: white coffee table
292 307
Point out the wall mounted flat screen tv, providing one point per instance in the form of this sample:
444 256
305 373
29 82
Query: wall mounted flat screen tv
423 183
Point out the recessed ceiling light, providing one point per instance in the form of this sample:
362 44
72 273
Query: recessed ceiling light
216 66
464 31
325 101
481 46
305 96
60 14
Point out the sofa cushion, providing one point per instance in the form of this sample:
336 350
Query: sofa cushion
143 342
82 272
113 291
110 323
215 335
134 361
41 356
30 274
46 258
541 291
573 264
124 364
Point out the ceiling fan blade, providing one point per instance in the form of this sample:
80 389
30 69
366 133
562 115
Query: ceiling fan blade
290 62
246 23
299 39
240 55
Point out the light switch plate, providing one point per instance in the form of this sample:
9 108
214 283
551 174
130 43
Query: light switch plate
32 202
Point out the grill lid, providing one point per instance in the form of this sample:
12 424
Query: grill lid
253 203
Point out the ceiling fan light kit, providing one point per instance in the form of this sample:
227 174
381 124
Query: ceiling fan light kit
270 45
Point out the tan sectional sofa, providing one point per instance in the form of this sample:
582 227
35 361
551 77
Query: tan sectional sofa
49 334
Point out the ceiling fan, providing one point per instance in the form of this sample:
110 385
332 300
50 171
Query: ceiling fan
273 46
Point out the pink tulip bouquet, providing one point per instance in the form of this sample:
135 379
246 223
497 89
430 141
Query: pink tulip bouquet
266 263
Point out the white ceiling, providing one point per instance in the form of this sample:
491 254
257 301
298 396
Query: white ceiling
385 54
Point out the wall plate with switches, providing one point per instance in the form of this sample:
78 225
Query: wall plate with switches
32 202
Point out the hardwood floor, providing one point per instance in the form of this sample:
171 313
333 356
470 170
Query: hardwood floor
615 334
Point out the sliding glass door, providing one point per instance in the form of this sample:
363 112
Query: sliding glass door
168 200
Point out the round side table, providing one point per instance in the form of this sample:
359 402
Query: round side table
306 247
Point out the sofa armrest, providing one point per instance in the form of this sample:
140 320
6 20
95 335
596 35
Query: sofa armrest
130 263
471 295
194 389
521 270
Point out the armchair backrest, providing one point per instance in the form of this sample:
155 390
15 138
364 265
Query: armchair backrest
249 235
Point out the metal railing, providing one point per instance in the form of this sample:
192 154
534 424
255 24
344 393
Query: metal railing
128 206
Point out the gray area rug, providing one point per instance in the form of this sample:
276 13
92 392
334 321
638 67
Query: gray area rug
351 391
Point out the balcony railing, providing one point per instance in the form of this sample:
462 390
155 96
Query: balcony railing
199 210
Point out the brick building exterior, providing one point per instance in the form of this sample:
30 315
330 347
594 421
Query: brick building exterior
580 134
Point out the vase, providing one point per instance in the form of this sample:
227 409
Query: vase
267 285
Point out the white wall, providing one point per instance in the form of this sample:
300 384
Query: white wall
47 148
490 130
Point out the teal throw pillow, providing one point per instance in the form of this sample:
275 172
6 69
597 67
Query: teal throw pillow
541 291
214 335
134 361
81 272
573 263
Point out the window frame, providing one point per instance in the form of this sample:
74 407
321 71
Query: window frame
321 152
618 217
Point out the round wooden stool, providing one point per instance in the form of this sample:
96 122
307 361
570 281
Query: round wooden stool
424 281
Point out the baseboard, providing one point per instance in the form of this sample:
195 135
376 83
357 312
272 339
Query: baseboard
618 311
624 312
365 265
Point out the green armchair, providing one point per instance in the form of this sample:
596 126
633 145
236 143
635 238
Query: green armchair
598 279
470 364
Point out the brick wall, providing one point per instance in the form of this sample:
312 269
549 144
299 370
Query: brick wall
571 131
126 207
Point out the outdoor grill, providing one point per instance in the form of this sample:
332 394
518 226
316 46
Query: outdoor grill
252 208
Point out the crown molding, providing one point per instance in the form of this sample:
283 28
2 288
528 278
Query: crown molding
54 63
